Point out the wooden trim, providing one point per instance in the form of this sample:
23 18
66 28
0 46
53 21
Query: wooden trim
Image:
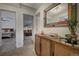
35 45
45 18
51 6
40 46
51 52
46 10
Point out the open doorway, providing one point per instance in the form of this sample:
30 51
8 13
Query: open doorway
8 30
28 22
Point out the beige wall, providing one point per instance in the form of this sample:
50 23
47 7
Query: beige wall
19 19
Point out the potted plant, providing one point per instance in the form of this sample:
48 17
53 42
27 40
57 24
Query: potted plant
72 22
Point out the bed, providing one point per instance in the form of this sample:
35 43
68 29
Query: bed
7 32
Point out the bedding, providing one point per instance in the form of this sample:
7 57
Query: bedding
7 32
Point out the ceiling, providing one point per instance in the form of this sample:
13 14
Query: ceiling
33 5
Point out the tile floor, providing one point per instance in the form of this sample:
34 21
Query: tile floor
8 44
26 50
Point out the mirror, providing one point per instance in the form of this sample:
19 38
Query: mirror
56 15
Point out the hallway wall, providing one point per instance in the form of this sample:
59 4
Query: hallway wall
20 10
60 30
40 20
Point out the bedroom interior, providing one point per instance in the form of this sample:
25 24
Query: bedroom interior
8 30
28 24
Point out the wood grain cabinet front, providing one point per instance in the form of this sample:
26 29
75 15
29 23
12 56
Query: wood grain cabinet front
45 47
37 45
60 50
63 50
48 47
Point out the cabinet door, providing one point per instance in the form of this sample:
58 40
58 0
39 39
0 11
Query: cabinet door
52 48
37 45
45 47
60 50
73 54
